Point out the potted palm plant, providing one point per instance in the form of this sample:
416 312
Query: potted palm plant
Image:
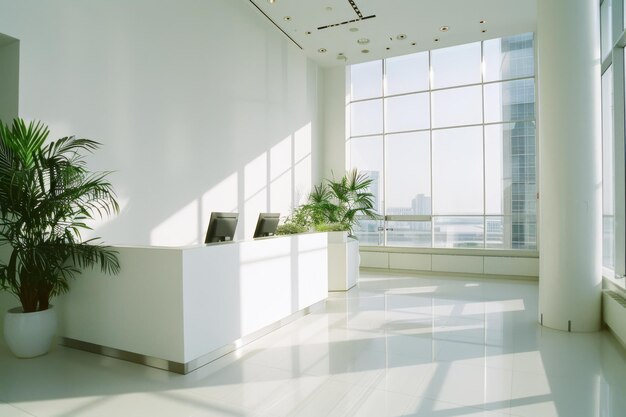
336 204
334 207
47 196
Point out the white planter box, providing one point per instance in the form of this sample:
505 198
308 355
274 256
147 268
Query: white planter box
343 261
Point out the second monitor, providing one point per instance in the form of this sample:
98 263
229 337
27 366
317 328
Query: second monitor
266 225
222 227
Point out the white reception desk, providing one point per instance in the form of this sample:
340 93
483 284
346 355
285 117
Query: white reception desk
180 308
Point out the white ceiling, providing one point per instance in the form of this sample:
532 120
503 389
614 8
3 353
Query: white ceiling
419 20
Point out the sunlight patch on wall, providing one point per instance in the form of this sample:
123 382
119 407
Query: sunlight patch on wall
302 145
255 176
281 194
303 164
222 197
280 158
252 207
180 229
281 172
255 193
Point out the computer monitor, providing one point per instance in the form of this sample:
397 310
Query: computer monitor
221 227
266 225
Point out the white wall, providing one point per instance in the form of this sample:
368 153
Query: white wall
334 121
202 105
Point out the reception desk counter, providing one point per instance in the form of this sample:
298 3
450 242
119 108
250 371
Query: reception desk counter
180 308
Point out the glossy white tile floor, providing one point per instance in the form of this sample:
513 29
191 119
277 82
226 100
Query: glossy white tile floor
394 346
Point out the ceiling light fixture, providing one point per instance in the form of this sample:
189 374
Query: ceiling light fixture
401 37
436 39
363 41
413 43
482 22
287 18
484 30
444 28
328 9
271 1
322 50
365 51
388 48
353 29
308 32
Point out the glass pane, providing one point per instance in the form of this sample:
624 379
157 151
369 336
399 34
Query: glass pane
369 232
511 57
510 101
524 232
511 232
606 27
608 171
408 173
608 242
457 107
366 118
458 232
366 80
366 155
458 65
406 74
510 172
409 233
409 112
458 171
497 232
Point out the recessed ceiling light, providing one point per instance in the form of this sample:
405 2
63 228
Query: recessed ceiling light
388 48
342 56
436 39
444 28
413 43
365 51
271 1
482 22
328 9
484 30
353 29
363 41
287 18
322 50
308 32
401 37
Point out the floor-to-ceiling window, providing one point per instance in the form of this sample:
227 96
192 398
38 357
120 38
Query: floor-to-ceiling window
448 138
612 42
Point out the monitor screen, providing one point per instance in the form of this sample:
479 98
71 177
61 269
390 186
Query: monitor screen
266 225
222 227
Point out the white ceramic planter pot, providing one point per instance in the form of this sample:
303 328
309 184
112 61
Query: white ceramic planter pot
343 261
29 334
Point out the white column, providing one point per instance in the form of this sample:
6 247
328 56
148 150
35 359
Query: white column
569 132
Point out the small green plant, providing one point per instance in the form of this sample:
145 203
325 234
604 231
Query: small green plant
290 229
341 201
332 206
332 227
